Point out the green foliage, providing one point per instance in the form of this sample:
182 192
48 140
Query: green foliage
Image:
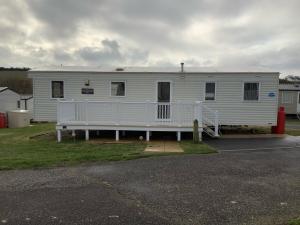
16 81
294 222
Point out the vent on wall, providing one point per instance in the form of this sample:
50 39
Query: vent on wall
119 69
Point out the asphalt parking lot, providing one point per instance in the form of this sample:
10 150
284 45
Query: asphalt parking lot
254 144
231 187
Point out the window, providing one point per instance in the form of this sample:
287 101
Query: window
57 89
251 91
163 91
18 104
210 91
287 97
117 88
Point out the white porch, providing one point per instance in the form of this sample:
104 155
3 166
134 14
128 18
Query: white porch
135 116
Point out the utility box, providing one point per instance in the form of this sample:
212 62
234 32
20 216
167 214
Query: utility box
18 118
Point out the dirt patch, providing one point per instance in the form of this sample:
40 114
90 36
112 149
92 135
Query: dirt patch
163 146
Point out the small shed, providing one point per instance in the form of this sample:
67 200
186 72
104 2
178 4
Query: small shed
9 100
289 97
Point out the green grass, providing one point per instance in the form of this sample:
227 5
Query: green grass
294 222
191 148
293 132
19 150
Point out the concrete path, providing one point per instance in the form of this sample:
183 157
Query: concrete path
163 146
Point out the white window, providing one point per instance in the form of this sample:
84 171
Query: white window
251 91
117 88
287 97
210 91
57 88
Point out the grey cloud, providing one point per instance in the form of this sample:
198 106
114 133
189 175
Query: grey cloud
284 59
143 32
62 57
5 52
244 36
62 16
110 54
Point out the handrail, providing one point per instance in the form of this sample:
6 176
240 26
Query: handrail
208 109
122 102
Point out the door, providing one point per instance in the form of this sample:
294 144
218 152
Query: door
298 103
163 100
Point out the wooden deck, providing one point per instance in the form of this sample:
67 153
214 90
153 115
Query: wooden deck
131 116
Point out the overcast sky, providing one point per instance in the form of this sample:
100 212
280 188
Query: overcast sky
215 33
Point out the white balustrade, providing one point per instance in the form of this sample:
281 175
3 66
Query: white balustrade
146 113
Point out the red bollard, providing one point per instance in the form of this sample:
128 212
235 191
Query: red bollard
3 120
280 128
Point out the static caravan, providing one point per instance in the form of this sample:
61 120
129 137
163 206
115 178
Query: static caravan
289 97
9 100
153 99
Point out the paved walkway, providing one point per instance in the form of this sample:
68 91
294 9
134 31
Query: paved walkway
163 146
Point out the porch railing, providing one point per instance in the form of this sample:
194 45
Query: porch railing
147 113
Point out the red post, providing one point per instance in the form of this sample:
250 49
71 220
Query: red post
280 128
3 120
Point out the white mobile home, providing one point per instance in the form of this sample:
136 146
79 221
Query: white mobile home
289 97
153 99
9 100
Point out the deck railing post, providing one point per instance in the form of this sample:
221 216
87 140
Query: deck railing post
117 119
58 112
148 112
86 110
58 135
198 112
216 123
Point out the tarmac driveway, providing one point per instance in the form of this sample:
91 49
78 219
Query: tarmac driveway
245 187
248 144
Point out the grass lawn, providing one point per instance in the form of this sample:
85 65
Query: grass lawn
19 150
293 132
294 222
190 148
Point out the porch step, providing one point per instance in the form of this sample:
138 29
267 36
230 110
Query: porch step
208 130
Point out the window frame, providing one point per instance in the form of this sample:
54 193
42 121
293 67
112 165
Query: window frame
215 96
51 94
243 89
171 89
118 96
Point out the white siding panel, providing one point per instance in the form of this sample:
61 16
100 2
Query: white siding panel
8 100
229 101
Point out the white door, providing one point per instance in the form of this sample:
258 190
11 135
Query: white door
298 103
163 100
